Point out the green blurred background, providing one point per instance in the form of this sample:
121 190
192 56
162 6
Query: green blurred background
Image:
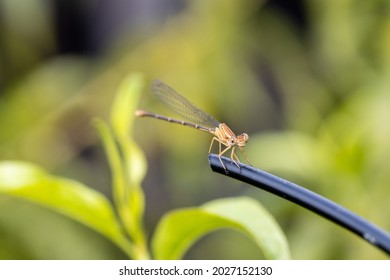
307 80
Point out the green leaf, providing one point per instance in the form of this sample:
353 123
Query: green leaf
179 229
122 119
131 201
127 162
68 197
114 159
125 103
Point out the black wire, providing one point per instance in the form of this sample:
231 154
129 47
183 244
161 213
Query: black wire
305 198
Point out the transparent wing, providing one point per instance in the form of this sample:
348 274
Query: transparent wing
181 105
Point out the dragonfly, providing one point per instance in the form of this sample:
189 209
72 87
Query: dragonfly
197 119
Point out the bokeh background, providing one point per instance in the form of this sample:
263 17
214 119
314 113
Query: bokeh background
308 80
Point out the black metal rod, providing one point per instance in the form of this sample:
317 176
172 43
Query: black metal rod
305 198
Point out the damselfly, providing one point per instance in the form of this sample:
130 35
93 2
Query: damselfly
199 120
